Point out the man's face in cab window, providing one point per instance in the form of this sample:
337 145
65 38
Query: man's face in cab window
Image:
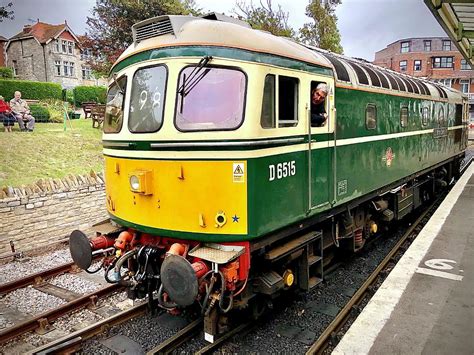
318 97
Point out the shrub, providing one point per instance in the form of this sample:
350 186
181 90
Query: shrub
90 93
70 97
33 90
6 73
56 109
40 113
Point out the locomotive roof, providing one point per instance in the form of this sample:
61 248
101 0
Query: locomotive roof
357 72
166 31
223 31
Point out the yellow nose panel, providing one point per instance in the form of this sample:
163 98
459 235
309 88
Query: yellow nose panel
186 196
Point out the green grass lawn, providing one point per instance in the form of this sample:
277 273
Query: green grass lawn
49 152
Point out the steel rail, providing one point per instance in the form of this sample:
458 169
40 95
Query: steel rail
183 335
35 278
218 342
323 341
44 318
73 341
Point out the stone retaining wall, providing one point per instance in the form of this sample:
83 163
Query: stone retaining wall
35 215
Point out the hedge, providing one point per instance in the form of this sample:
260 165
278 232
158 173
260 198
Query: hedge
89 93
40 113
32 90
6 73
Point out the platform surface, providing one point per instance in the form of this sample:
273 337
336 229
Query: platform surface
426 304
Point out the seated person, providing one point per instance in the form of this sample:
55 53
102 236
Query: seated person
318 107
6 115
22 113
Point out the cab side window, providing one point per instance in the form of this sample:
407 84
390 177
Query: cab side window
285 89
287 101
318 100
268 118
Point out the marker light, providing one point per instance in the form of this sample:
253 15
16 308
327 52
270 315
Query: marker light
134 182
141 182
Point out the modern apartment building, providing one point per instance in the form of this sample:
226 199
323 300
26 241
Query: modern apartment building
434 58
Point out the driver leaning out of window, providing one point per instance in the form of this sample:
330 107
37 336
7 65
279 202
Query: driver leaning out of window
318 109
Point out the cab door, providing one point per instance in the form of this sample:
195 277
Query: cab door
321 150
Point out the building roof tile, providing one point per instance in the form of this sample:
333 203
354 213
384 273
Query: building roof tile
41 31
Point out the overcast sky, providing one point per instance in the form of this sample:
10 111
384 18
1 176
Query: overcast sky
366 26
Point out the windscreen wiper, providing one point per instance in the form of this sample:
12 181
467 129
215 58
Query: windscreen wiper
195 77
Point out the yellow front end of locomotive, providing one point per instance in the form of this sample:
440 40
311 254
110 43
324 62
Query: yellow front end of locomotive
178 198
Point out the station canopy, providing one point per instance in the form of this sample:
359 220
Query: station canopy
457 19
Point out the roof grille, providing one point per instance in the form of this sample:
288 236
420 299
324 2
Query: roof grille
159 26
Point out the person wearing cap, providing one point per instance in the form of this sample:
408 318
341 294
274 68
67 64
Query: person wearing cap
6 115
318 107
22 113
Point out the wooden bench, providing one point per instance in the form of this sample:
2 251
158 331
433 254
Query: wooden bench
31 102
97 115
87 107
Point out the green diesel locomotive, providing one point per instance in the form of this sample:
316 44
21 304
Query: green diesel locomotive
222 193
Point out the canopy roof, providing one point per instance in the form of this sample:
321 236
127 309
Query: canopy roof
457 19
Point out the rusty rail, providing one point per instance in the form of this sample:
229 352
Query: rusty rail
72 342
183 335
43 319
34 278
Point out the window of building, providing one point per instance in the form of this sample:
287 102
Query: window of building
215 99
403 65
15 67
64 46
287 101
268 118
86 72
86 54
404 116
425 116
417 65
66 68
147 99
442 62
56 46
371 116
404 47
71 69
70 47
427 46
57 64
465 65
464 85
445 82
446 45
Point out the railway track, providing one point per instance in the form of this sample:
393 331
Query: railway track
72 342
41 323
329 337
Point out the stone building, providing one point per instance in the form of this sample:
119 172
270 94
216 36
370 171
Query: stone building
51 53
3 54
434 58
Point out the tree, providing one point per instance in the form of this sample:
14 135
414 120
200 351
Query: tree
322 32
265 18
110 27
6 12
